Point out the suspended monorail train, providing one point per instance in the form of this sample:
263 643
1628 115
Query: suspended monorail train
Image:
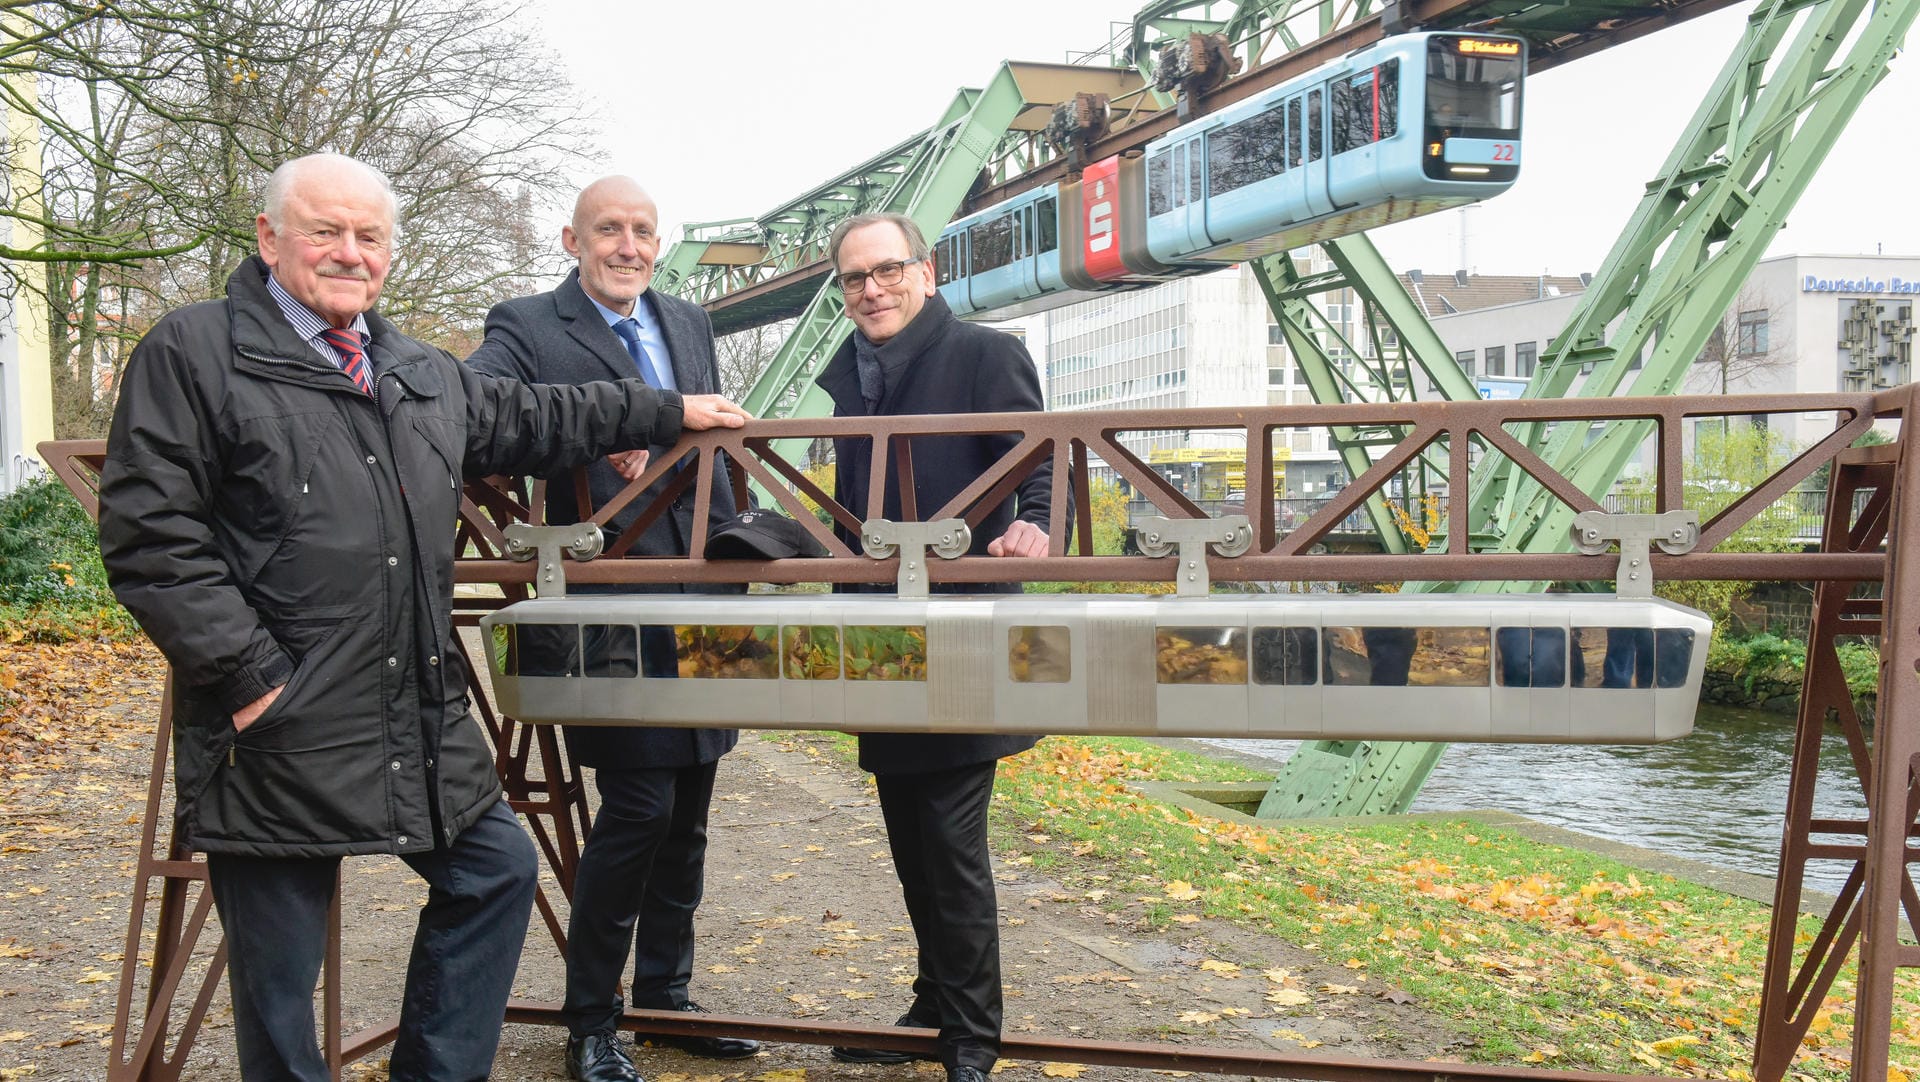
1408 126
1555 668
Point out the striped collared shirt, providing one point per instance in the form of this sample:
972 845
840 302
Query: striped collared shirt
309 325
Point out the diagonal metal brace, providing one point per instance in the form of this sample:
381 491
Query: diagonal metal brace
1230 535
581 540
947 538
1676 532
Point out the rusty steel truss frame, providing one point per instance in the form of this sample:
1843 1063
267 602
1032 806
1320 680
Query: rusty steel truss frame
152 1037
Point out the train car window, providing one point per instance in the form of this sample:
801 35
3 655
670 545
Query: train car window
1341 117
1048 220
726 652
610 650
1613 657
1314 126
1293 133
1021 249
1474 93
548 649
1159 184
1531 657
1286 655
1365 107
1435 657
897 652
1194 169
1179 185
1672 656
1201 655
810 652
992 242
1039 655
1246 152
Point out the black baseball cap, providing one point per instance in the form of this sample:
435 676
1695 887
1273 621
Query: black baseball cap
762 535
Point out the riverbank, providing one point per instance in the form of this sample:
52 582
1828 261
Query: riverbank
1124 917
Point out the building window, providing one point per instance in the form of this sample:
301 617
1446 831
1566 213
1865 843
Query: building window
1276 336
1525 356
1496 360
1276 375
1753 333
1465 359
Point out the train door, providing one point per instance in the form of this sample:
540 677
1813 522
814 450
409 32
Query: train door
1193 215
1027 251
1313 139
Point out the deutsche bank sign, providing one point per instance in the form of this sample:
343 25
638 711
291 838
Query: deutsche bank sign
1813 284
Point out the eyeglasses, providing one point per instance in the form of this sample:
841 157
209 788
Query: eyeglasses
887 274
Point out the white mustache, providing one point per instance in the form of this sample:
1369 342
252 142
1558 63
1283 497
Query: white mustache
341 270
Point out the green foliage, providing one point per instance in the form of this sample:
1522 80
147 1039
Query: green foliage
52 586
1758 657
1770 657
1725 466
1108 504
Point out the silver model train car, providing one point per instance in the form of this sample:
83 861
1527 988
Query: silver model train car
1556 668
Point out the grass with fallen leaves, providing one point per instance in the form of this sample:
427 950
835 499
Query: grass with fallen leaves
1546 955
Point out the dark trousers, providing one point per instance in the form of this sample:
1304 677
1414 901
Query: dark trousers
637 885
937 828
465 949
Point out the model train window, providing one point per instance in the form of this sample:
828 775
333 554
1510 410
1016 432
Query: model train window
1201 655
1047 218
1039 655
726 651
1531 657
1314 125
1159 184
1631 657
609 650
1294 127
1286 655
546 650
1245 152
992 243
810 652
1472 93
883 652
1365 107
1433 657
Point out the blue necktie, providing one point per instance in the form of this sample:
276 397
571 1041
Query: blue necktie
629 331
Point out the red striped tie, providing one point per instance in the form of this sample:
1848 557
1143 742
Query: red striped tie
353 359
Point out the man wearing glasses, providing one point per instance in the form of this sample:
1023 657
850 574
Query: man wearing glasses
909 355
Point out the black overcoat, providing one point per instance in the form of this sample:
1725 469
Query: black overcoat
938 364
267 523
560 337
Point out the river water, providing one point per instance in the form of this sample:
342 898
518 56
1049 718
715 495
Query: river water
1717 796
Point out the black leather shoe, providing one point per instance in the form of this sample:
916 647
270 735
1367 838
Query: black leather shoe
597 1057
966 1074
710 1047
882 1055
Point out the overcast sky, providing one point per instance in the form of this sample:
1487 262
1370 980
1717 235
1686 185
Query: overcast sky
725 110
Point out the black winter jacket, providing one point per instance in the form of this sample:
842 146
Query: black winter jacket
268 524
938 364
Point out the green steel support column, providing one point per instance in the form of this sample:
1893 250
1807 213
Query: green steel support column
1351 777
929 191
1771 118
